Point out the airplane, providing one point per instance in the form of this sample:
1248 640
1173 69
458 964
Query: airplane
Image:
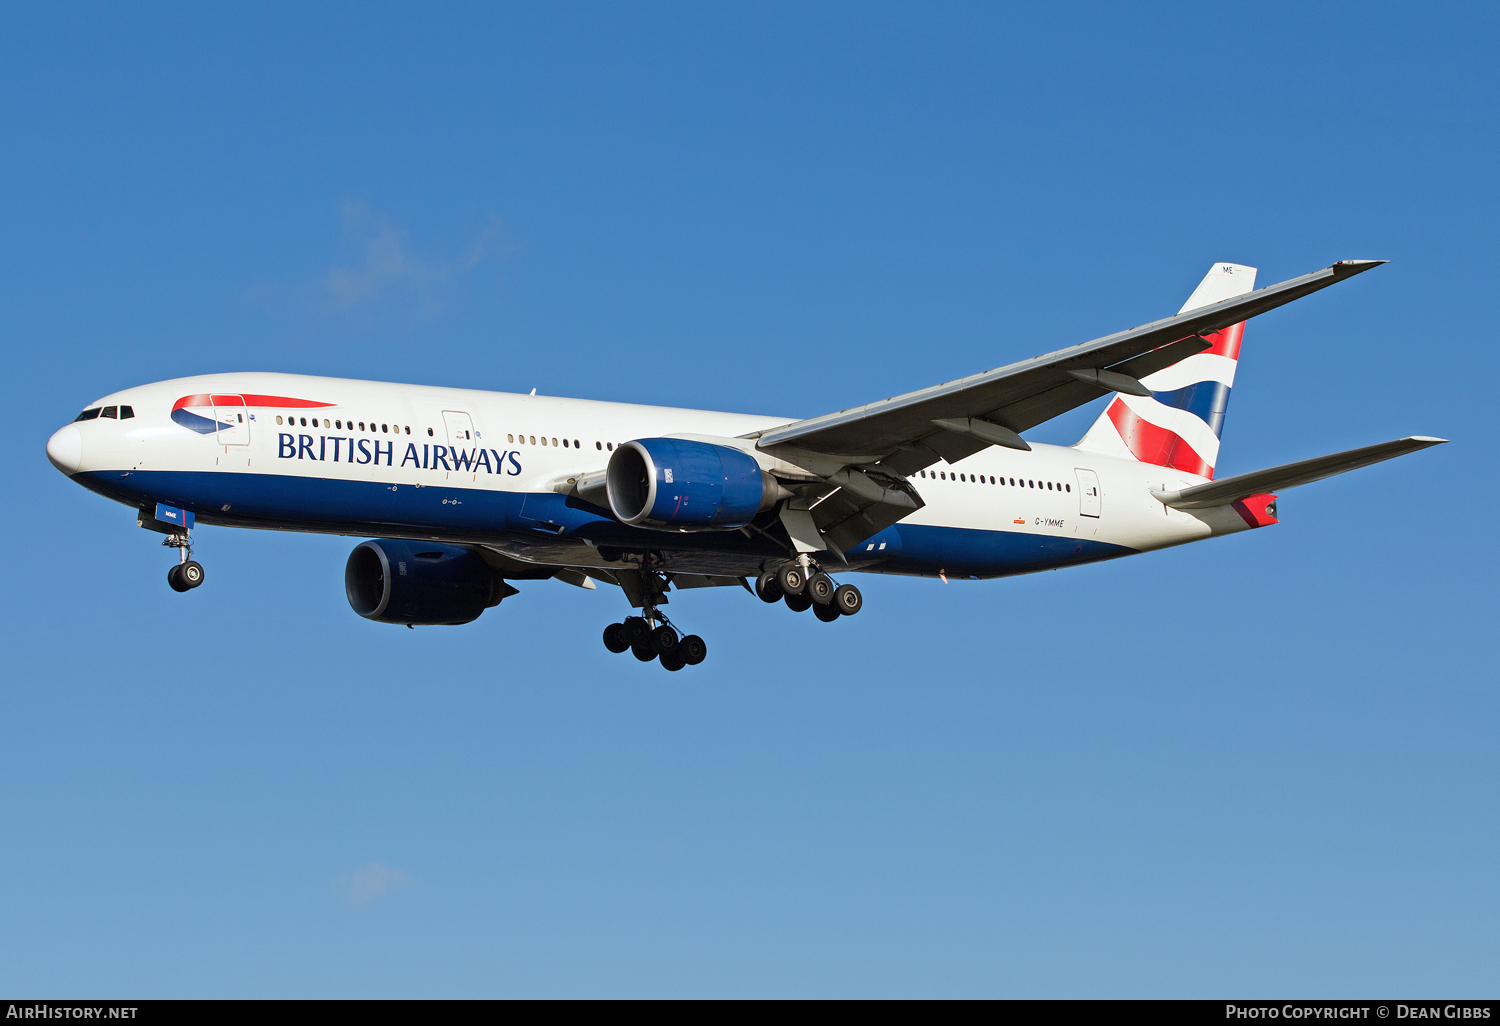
462 492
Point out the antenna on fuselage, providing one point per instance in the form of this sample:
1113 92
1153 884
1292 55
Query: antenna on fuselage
533 391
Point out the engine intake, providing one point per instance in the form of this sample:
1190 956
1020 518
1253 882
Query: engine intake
677 482
420 583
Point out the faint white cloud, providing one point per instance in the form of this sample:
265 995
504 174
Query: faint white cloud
389 268
372 881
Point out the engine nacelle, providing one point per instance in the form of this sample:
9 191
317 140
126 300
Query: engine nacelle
676 482
420 583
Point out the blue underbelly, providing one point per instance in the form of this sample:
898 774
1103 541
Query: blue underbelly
555 527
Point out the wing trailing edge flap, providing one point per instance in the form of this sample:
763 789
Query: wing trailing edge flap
908 432
1289 475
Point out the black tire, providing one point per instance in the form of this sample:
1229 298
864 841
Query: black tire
174 578
664 640
614 638
768 588
643 652
792 579
798 603
636 629
191 573
693 650
672 661
828 613
820 589
848 599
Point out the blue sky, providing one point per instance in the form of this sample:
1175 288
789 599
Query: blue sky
1263 765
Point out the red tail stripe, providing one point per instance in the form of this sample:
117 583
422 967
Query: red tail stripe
1152 444
1226 342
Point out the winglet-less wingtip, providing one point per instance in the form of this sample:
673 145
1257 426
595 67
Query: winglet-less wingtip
1348 267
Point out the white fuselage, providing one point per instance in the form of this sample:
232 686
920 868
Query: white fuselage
397 460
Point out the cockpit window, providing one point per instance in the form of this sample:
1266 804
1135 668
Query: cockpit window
87 415
126 413
112 412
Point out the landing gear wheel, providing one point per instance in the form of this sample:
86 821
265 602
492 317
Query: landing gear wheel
828 613
848 600
191 573
664 640
614 638
643 652
798 603
692 650
820 589
174 578
792 579
768 588
636 629
672 661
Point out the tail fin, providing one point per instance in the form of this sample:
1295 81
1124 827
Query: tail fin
1179 425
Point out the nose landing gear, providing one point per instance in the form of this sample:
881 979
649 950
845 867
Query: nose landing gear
188 573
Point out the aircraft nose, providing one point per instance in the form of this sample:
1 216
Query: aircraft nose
65 449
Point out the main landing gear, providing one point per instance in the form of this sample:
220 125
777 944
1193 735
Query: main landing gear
652 637
807 587
188 573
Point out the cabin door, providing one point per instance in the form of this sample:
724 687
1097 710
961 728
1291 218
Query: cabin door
1089 500
233 419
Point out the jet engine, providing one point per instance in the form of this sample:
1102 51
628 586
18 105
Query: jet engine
677 482
420 583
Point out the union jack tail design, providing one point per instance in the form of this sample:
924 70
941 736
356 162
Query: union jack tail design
1179 425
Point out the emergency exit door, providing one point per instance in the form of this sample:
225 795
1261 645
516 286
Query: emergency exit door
460 428
1090 502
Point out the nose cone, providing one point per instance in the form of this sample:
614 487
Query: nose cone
65 449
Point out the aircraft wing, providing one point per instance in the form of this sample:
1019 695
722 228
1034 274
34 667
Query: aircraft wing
950 421
1289 475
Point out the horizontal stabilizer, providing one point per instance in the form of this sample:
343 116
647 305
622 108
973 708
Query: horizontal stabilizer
1289 475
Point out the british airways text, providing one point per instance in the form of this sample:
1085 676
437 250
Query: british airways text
431 457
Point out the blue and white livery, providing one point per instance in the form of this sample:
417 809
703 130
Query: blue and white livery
463 492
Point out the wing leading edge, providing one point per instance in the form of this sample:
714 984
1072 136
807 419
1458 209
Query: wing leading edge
953 420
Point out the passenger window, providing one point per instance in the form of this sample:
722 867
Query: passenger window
575 443
384 430
278 418
554 441
429 432
408 429
126 413
599 446
533 439
609 446
1049 486
544 439
1070 488
565 443
112 412
511 439
992 479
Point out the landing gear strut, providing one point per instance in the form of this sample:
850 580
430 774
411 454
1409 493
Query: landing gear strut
807 587
188 573
652 637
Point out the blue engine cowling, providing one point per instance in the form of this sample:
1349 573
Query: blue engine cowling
675 482
420 583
